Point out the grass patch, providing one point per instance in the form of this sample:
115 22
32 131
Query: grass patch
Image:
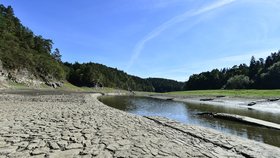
15 85
232 93
70 87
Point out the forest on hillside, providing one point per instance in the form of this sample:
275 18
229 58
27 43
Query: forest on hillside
260 74
98 75
20 48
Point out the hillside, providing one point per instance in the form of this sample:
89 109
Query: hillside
98 75
260 74
25 57
29 59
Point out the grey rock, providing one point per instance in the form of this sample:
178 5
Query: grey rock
65 154
112 147
74 146
104 154
22 144
62 143
54 145
32 146
39 151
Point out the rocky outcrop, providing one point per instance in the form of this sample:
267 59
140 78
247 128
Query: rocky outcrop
78 125
54 84
25 77
3 76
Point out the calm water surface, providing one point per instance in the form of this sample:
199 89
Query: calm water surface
186 113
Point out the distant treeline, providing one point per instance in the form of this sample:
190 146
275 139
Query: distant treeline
260 74
165 85
98 75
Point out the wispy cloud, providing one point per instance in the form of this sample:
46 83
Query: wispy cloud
177 19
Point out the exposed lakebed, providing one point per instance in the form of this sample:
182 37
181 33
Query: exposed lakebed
187 113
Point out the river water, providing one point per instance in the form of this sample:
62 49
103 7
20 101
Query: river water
186 113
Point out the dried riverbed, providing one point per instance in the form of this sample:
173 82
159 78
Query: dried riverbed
78 125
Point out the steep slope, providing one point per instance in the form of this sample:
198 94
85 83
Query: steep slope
25 56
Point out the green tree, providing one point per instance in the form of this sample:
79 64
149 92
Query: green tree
56 55
238 82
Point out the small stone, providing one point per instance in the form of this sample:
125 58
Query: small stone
112 147
3 144
154 151
39 151
121 154
23 135
13 140
87 131
41 143
62 143
32 146
86 143
54 145
22 144
65 138
125 147
19 154
74 146
89 150
65 154
124 142
104 154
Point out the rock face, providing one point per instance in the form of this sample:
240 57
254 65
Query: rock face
23 76
78 125
3 73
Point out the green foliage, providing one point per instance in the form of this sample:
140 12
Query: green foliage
271 79
261 74
206 80
98 75
165 85
20 48
238 82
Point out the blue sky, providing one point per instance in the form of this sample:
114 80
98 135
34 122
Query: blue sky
156 38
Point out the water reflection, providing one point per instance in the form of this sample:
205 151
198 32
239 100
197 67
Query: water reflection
186 113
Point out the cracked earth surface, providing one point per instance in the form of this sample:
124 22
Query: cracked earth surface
78 125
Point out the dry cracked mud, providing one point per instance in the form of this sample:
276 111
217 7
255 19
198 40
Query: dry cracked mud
78 125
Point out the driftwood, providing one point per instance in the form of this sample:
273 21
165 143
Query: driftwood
206 99
251 104
220 96
243 119
273 99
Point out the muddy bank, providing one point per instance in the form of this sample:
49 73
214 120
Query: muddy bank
78 125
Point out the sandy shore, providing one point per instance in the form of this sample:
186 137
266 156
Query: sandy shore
78 125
